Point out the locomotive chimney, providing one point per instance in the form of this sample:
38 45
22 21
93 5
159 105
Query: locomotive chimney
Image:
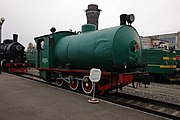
92 14
15 37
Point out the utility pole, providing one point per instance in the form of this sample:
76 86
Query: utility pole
1 23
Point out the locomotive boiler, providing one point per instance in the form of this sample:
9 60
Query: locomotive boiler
67 56
103 48
13 58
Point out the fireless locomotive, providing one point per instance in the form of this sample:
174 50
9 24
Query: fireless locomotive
67 56
13 58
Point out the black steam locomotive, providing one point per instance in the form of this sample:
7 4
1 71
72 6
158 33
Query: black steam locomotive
13 57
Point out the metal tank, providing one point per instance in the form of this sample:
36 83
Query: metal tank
104 48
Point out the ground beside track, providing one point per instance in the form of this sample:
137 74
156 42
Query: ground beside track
22 99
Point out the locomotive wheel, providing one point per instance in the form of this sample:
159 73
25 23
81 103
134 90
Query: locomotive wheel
87 86
74 84
59 82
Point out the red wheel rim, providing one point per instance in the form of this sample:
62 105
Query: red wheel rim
74 84
87 86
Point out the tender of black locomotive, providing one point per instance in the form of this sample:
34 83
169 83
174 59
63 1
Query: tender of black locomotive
13 57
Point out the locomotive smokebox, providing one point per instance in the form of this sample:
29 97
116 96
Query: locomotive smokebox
15 37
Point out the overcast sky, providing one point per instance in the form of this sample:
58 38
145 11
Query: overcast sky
32 18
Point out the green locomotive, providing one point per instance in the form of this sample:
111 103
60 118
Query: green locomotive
160 63
67 56
31 57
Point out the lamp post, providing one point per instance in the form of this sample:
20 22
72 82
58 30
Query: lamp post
1 23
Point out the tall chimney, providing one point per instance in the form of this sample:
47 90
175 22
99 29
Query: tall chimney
92 14
15 37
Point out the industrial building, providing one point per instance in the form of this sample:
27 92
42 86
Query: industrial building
171 39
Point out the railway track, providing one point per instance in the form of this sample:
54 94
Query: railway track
164 109
160 108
